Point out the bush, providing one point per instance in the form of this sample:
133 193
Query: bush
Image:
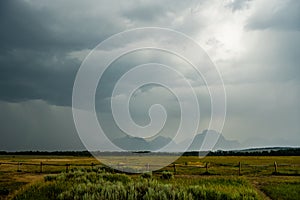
167 175
116 177
146 175
49 178
4 191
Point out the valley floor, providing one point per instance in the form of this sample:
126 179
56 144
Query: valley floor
190 170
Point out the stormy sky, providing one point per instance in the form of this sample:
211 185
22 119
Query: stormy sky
254 43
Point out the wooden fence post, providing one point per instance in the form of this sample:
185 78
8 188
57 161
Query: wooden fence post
174 168
148 167
67 167
92 165
206 167
275 167
19 167
41 167
240 166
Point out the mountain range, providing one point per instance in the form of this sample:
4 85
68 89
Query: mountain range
140 144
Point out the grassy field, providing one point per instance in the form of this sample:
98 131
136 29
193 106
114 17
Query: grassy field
256 175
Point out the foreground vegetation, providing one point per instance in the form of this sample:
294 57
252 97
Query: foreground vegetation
256 174
82 184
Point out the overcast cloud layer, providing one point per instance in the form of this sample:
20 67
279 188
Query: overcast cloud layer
254 43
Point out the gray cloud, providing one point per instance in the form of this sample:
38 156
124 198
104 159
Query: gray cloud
145 11
35 43
278 15
36 125
37 37
43 43
237 5
263 110
27 75
271 56
56 26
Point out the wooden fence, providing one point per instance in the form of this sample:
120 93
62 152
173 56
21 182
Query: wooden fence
175 168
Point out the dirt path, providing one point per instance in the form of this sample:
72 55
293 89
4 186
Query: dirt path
11 182
256 185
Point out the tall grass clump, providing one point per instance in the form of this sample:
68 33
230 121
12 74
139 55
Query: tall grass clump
93 185
167 175
146 175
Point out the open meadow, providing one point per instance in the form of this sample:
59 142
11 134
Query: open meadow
189 177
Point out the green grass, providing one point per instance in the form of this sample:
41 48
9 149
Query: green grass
281 191
101 185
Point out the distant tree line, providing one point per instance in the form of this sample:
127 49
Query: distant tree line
48 153
277 152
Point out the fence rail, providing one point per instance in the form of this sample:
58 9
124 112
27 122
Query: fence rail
174 167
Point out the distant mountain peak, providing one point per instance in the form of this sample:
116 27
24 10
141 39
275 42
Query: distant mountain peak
140 144
212 139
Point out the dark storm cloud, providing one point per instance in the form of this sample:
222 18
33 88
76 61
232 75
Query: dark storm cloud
36 125
42 44
27 75
58 26
34 47
37 37
21 27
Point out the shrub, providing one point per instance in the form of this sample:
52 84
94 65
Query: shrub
116 177
4 191
146 175
49 178
166 175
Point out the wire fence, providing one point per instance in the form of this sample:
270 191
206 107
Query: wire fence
180 169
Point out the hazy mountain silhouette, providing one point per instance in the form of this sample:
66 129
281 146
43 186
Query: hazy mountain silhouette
159 142
213 137
139 144
132 143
